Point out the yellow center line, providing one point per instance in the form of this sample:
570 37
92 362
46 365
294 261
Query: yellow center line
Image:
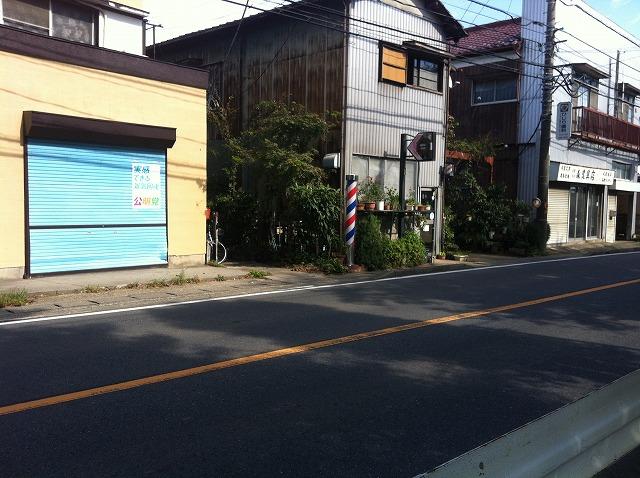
164 377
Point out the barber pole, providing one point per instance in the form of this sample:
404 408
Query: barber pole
350 216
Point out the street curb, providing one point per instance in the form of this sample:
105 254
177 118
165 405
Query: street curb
312 278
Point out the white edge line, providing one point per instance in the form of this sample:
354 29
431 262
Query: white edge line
28 320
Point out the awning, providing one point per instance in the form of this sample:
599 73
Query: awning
624 185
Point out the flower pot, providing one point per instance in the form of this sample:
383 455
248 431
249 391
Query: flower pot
370 206
380 205
387 207
360 207
428 206
422 207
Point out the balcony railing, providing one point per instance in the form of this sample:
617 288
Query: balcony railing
597 127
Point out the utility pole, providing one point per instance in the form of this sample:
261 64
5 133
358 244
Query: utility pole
153 26
545 126
609 89
616 93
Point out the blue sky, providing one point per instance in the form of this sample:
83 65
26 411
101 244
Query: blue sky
625 13
186 16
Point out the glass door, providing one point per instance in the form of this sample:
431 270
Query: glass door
577 212
594 212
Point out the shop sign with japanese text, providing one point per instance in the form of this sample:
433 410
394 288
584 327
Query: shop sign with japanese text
146 190
580 174
563 121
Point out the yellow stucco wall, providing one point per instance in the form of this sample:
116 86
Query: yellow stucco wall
32 84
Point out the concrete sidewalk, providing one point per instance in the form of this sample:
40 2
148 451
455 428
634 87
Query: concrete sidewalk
100 290
80 281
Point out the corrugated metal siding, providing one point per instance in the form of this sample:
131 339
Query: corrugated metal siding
533 36
558 215
612 205
74 185
378 113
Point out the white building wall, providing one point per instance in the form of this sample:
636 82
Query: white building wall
121 32
571 19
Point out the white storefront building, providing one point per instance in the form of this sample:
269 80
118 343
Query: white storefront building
595 132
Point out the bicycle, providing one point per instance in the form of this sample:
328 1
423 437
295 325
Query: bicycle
213 242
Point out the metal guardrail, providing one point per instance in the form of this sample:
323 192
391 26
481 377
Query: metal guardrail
577 440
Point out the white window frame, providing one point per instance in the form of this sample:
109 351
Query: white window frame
630 101
483 103
628 166
440 81
408 186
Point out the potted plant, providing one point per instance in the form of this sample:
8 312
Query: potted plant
410 202
377 194
370 194
392 199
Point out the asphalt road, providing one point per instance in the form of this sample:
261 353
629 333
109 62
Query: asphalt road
393 405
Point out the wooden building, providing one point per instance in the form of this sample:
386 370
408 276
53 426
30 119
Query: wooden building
485 98
382 64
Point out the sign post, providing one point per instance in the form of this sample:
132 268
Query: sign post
404 146
423 148
350 216
563 121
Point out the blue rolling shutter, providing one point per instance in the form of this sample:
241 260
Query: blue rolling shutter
82 211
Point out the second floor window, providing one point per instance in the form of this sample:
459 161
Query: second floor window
410 67
494 91
628 107
586 90
56 18
622 170
426 73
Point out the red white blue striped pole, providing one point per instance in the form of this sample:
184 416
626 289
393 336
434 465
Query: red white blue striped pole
350 216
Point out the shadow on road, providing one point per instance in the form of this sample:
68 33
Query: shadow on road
388 406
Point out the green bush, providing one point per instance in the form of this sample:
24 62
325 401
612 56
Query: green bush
477 217
314 210
537 236
370 243
394 254
376 251
413 249
238 221
330 265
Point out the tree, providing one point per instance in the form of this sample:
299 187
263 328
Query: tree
286 190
